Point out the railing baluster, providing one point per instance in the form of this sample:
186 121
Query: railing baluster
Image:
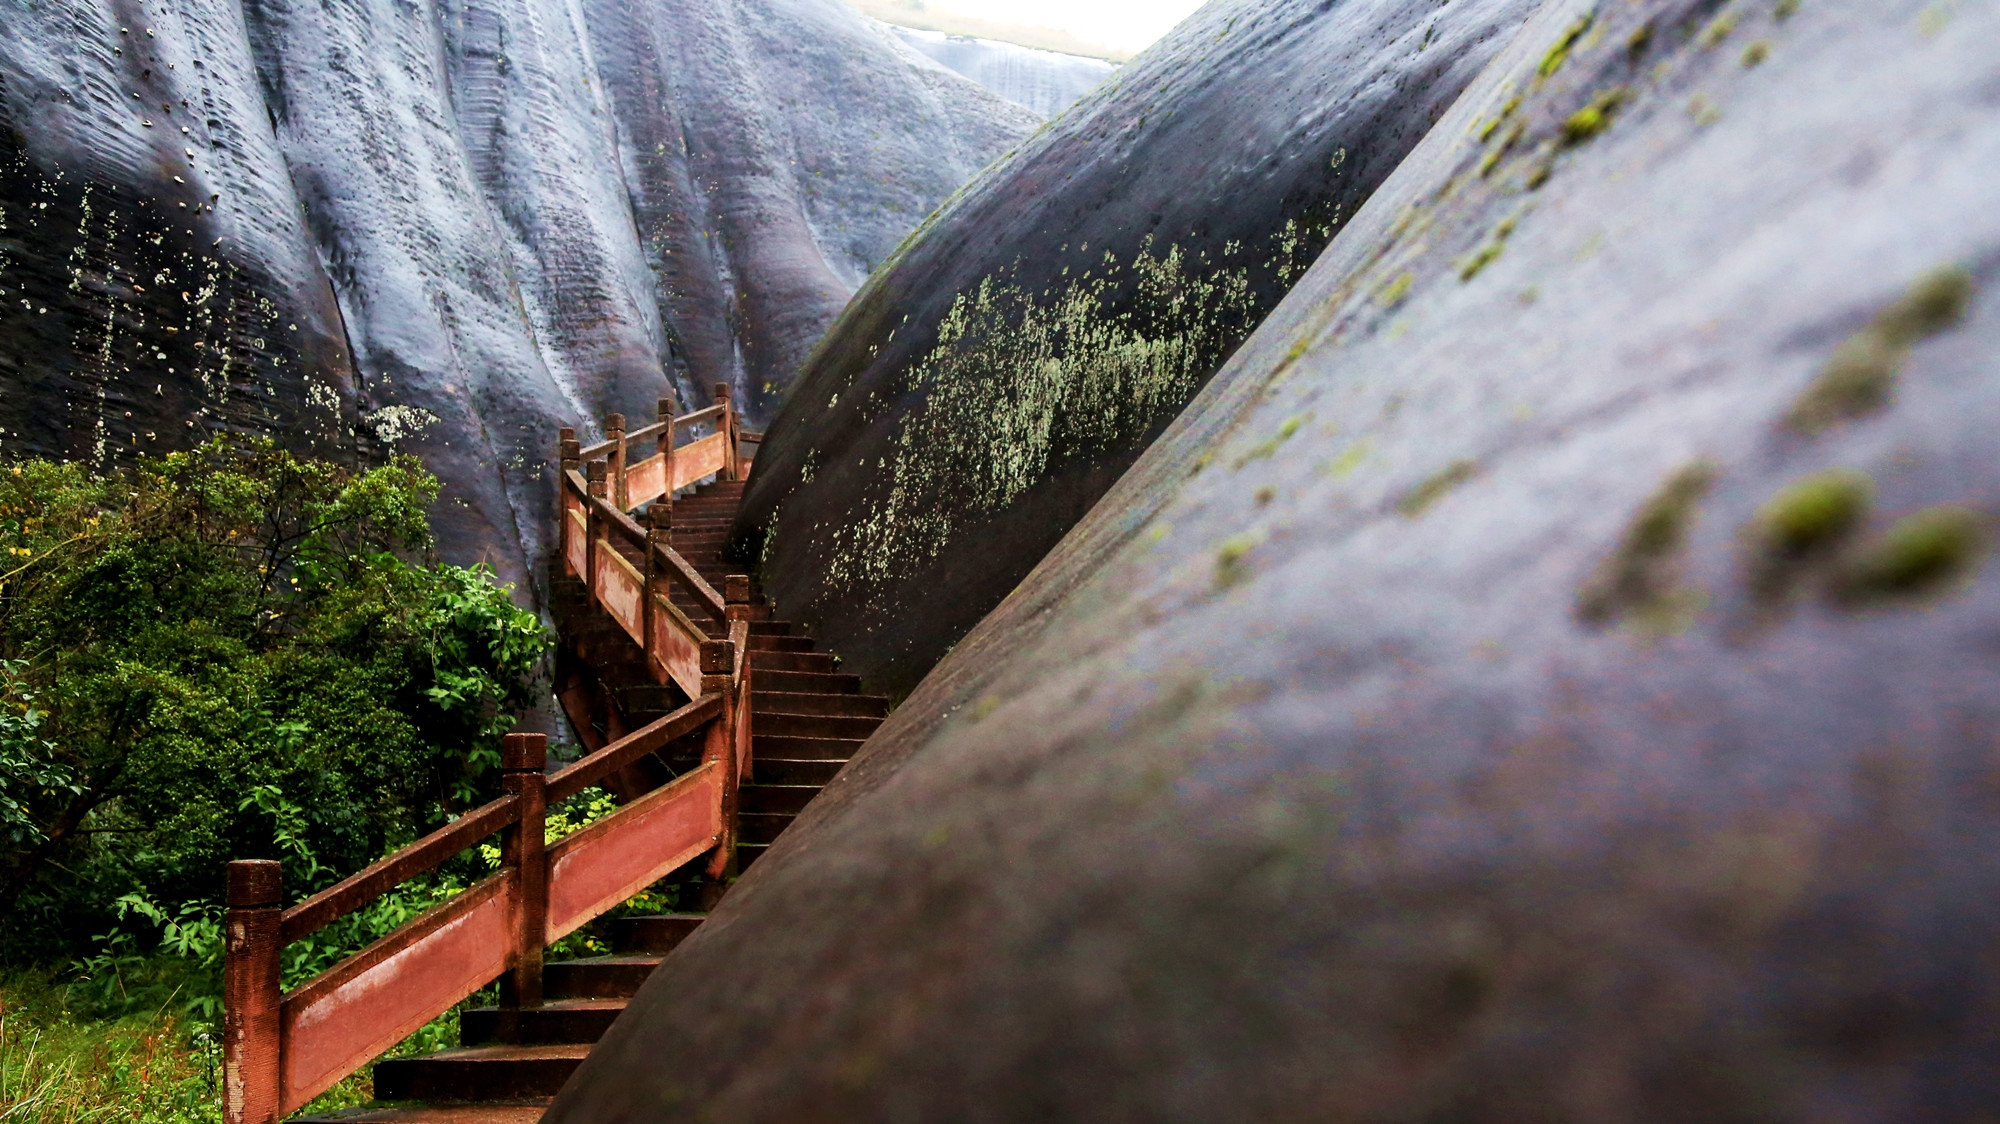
614 431
736 607
718 675
250 992
659 536
591 531
666 445
726 425
523 759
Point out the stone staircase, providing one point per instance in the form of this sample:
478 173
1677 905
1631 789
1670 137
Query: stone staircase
807 720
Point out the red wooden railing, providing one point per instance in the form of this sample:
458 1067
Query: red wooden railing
282 1049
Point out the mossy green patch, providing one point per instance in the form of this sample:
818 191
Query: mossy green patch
1558 52
1785 9
1434 488
1588 123
1264 449
1485 255
1921 555
1265 495
1815 513
1395 290
1860 377
1756 53
1639 42
1718 30
1231 569
1349 459
1641 578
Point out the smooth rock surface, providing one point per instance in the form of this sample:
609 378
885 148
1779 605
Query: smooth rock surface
443 227
1561 689
987 386
1044 81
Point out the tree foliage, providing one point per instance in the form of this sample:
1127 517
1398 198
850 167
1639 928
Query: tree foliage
191 646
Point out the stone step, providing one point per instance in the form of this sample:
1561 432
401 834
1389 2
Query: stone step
599 977
764 702
786 747
528 1111
760 827
787 653
781 799
812 726
747 853
655 935
803 682
782 771
479 1073
563 1021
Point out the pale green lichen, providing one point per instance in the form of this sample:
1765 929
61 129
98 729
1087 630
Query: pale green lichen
1860 377
1435 487
1018 382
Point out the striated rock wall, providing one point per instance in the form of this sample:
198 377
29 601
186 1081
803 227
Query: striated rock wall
1547 674
446 227
1044 81
985 388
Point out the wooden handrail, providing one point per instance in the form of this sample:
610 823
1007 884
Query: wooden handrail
654 736
281 1050
700 416
646 433
683 571
425 855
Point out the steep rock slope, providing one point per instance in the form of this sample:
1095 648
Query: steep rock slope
985 388
375 224
1044 81
1548 674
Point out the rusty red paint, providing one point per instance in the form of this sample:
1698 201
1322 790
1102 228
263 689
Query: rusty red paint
380 995
618 856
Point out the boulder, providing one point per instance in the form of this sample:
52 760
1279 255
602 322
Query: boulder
1549 673
989 383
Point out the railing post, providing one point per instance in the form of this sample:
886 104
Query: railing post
718 665
591 531
252 944
614 430
659 536
736 607
667 444
523 761
727 427
569 454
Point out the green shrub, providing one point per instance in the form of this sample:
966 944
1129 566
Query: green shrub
226 653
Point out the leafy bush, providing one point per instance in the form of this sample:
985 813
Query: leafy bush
230 652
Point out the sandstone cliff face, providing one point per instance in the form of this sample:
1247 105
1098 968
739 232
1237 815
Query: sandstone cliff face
447 227
987 386
1549 673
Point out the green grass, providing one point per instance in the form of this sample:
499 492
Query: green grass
61 1064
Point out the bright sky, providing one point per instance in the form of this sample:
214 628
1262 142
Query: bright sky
1128 24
